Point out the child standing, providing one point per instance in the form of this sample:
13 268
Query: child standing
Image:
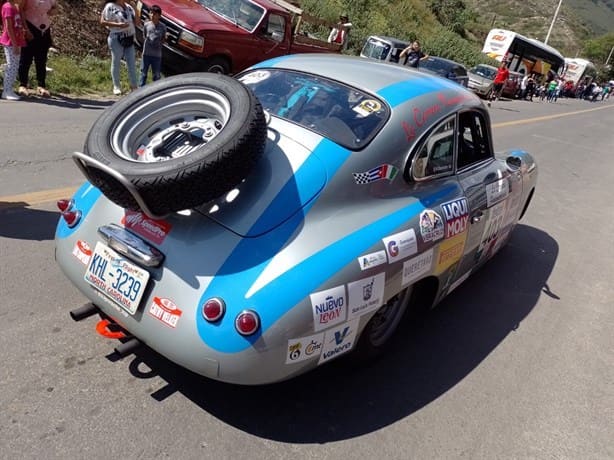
154 33
12 39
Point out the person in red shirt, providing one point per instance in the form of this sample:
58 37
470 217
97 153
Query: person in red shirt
502 75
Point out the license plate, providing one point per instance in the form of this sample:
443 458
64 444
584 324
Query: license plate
117 278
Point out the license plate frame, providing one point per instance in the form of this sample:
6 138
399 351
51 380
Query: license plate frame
116 278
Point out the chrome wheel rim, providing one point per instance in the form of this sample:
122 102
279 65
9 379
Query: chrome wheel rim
170 125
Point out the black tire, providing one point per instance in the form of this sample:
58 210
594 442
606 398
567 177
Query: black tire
180 141
218 65
383 325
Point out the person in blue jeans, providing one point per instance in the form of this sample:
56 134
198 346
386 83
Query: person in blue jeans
120 19
154 33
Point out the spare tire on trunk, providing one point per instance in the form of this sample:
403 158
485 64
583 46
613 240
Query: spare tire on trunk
180 142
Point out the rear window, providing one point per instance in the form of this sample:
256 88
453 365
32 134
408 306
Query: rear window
346 115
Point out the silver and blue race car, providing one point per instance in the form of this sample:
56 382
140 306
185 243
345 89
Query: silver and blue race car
253 228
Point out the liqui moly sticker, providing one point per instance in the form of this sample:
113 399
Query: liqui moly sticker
365 295
431 225
456 214
165 310
372 260
339 340
401 245
329 307
304 348
497 191
152 230
416 267
82 251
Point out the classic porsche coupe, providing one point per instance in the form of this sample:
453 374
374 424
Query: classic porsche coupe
253 228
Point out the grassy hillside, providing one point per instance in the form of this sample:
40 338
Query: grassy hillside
78 33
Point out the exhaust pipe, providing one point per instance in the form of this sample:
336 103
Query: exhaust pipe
127 347
83 312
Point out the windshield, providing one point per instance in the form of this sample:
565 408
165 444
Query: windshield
375 49
485 72
346 115
243 13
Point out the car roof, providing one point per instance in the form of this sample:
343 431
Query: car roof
394 41
444 60
394 83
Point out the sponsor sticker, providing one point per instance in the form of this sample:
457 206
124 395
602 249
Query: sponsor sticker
304 348
329 307
492 227
372 260
255 77
431 225
417 267
496 191
153 230
401 245
450 252
339 340
82 251
456 215
365 295
165 310
367 107
380 172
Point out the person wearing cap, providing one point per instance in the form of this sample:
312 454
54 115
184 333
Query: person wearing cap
340 33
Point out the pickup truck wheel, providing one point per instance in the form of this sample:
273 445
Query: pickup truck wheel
383 325
218 65
180 141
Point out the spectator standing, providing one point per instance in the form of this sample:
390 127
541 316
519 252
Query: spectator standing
341 32
38 33
523 86
413 55
551 90
12 39
154 33
120 19
530 87
500 78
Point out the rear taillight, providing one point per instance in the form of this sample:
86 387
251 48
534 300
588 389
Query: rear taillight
72 217
213 309
65 205
247 322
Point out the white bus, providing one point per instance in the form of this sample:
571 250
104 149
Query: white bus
522 53
577 69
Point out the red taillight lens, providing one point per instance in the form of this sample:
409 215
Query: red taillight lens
71 218
247 322
214 309
65 205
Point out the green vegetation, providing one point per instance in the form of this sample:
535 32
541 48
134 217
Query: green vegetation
454 29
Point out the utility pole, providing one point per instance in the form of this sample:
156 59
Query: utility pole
609 56
556 13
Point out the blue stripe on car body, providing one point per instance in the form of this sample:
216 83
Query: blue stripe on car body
232 284
85 198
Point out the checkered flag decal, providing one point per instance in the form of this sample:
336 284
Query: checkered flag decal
381 172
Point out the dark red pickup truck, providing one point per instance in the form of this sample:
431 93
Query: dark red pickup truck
227 36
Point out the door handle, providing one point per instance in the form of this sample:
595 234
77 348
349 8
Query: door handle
476 217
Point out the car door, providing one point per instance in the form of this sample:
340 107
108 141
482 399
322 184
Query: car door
270 39
488 184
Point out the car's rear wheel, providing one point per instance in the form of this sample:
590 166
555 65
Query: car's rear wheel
180 142
383 325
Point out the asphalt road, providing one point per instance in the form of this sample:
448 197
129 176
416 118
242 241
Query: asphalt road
517 363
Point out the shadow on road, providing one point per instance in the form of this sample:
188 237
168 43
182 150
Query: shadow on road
71 102
20 222
341 401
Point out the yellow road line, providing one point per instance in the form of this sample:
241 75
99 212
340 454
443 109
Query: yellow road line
45 196
547 117
35 198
